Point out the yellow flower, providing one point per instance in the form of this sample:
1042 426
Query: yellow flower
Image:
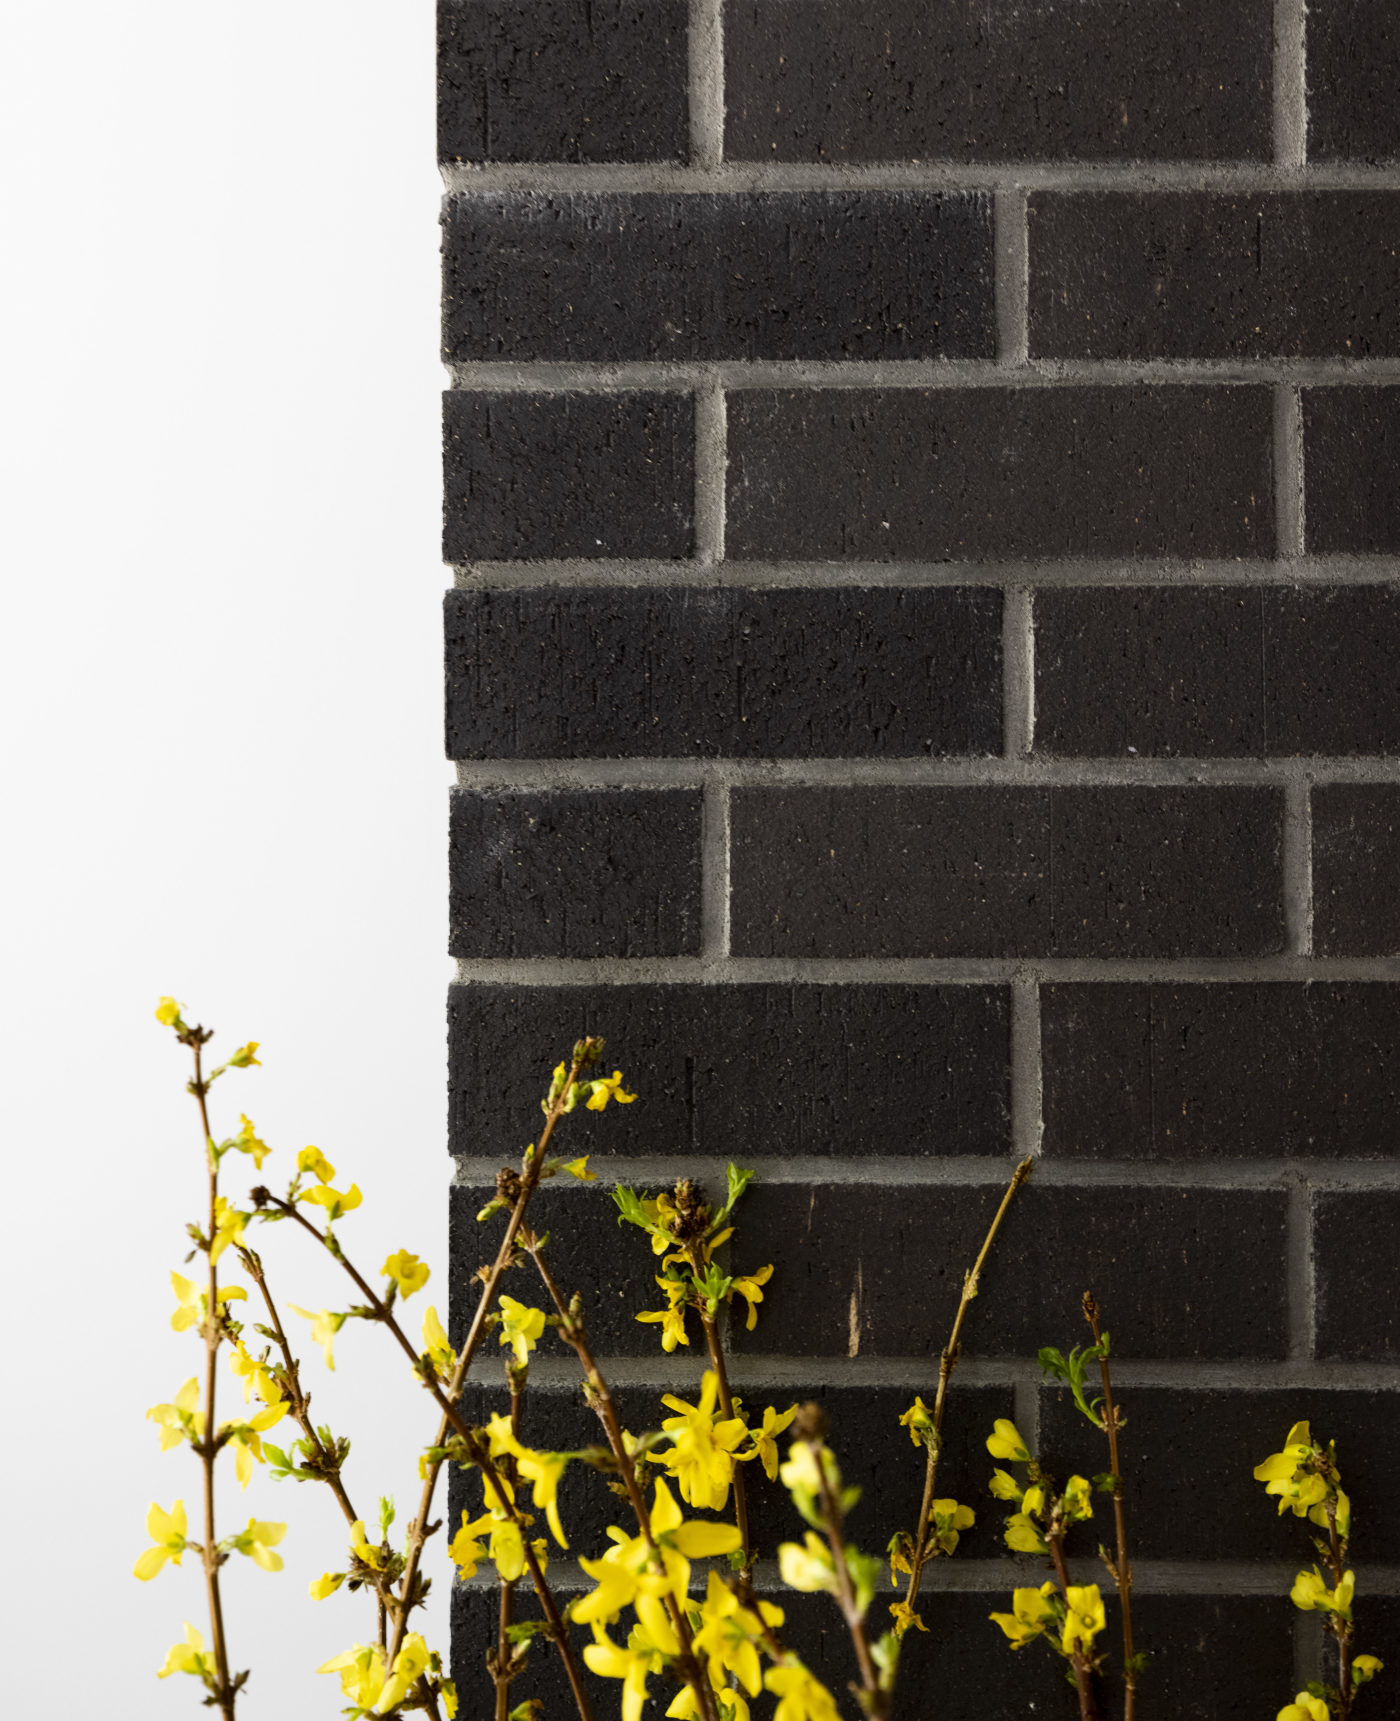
949 1518
1311 1594
182 1420
672 1318
626 1570
1075 1501
325 1324
1004 1486
407 1271
765 1444
544 1469
1022 1534
521 1327
1304 1708
363 1549
168 1014
335 1201
1365 1668
439 1352
579 1168
243 1438
410 1664
1084 1617
651 1642
702 1455
361 1671
241 1059
254 1374
905 1616
194 1300
246 1141
1300 1476
326 1585
167 1533
1032 1612
918 1419
800 1696
1005 1442
229 1225
607 1088
808 1567
258 1541
464 1550
747 1287
729 1633
189 1657
312 1160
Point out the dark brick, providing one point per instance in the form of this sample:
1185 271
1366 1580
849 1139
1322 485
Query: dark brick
1103 79
815 275
875 1454
1356 869
1006 871
942 475
749 1071
574 872
1353 71
877 1270
562 80
1220 1071
1351 465
1184 1446
1222 671
1196 274
1358 1274
540 475
674 672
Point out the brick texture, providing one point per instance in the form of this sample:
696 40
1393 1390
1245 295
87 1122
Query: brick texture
923 677
831 80
992 472
635 672
819 275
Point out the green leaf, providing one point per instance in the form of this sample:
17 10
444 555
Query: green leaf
524 1631
629 1207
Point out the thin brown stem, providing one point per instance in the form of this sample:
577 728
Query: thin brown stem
947 1362
1341 1629
503 1673
726 1404
876 1700
1083 1673
1122 1571
208 1447
571 1331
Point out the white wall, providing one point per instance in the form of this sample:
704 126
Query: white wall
222 765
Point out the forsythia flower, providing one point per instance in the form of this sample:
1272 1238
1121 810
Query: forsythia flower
1084 1617
246 1141
258 1541
579 1168
167 1532
1303 1476
607 1088
1365 1668
439 1352
464 1550
905 1616
326 1585
361 1671
918 1419
728 1633
521 1327
1004 1486
1305 1708
747 1287
948 1519
672 1318
182 1420
243 1438
313 1160
651 1642
363 1549
1311 1594
194 1300
765 1444
1075 1500
229 1225
189 1657
702 1455
325 1324
1032 1612
335 1201
407 1271
807 1568
1023 1535
1005 1442
167 1013
544 1469
254 1374
800 1696
625 1571
241 1059
409 1665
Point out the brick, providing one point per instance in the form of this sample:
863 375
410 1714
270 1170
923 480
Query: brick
684 672
1351 464
1005 871
1102 80
562 80
875 1453
953 474
1183 1445
1210 1072
575 873
1358 1274
540 475
1353 49
1356 869
785 275
1217 671
876 1270
1196 274
766 1070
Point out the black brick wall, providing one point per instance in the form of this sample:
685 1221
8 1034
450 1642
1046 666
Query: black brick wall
923 666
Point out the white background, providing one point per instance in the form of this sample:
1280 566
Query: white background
223 771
